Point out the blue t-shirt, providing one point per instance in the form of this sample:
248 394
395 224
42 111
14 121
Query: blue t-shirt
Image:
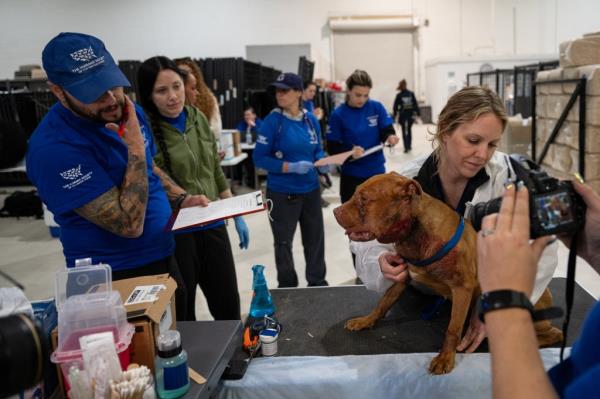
282 139
242 126
178 122
73 161
360 127
309 105
579 375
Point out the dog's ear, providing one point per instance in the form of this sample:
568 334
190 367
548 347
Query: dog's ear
414 188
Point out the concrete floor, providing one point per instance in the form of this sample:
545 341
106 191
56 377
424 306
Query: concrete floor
31 256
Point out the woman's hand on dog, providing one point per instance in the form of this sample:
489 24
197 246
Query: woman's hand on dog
474 335
393 267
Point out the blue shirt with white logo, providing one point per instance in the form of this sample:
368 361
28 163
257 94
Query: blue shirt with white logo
73 161
282 139
360 127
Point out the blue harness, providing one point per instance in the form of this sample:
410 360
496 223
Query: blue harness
443 251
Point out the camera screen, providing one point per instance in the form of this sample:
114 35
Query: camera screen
554 209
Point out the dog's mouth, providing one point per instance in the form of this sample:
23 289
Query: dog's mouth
360 235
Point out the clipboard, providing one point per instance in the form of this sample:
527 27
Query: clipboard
226 208
339 159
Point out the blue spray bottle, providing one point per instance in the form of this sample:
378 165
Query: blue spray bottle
262 303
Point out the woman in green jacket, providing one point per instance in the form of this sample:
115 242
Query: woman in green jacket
188 154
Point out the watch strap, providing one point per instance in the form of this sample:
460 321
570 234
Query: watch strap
504 299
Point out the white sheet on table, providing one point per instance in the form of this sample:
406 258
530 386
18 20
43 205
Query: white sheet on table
372 376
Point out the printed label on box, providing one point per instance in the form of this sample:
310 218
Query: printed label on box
144 293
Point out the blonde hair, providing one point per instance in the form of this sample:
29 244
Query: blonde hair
205 101
465 106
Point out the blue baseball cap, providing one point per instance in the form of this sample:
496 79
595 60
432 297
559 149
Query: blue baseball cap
81 65
288 80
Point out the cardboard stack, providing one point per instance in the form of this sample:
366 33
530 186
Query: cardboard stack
578 58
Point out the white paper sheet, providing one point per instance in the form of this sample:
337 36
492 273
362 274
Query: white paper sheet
221 209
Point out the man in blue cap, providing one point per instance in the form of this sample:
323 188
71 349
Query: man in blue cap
91 161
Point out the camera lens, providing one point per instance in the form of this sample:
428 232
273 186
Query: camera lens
23 350
482 209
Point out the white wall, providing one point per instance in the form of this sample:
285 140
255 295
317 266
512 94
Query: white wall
137 29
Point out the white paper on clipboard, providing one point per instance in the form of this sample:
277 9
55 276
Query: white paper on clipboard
218 210
371 150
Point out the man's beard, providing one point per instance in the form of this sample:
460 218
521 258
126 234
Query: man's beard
94 116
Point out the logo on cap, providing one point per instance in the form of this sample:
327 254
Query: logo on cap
85 54
72 174
281 77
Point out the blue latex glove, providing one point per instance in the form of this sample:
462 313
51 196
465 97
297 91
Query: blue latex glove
324 169
300 167
242 229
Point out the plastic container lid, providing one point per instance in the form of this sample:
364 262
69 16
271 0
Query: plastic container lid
168 341
80 280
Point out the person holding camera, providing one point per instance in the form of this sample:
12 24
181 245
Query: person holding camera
464 169
287 146
506 260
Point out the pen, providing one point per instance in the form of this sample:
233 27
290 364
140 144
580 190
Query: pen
123 121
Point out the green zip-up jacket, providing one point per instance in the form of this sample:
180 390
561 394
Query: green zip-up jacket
194 158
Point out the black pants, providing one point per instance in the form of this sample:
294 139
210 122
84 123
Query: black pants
287 211
348 186
406 125
205 259
166 265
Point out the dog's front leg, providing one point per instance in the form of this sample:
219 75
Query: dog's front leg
385 303
444 362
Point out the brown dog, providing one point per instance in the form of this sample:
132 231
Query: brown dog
394 209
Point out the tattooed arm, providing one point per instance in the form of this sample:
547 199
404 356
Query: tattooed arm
122 210
174 191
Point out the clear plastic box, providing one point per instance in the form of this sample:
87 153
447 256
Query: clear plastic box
86 305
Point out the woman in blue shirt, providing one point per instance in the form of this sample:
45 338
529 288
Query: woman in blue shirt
287 146
188 153
359 124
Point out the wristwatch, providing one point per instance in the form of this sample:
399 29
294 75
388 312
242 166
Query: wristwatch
179 200
502 299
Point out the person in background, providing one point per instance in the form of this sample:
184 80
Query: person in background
308 96
287 146
206 101
188 153
99 180
464 169
506 260
359 124
405 109
251 124
248 129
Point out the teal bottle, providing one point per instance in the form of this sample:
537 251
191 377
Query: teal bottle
262 303
171 366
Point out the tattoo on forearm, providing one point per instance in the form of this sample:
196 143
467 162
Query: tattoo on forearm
122 210
173 189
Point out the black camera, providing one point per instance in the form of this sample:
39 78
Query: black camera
554 206
23 353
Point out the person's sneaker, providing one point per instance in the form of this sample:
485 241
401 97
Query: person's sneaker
358 281
324 204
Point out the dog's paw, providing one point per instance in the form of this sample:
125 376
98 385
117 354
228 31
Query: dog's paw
359 323
443 363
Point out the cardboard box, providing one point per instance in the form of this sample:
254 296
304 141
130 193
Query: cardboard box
237 149
148 318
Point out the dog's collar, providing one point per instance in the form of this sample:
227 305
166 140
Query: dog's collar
443 251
